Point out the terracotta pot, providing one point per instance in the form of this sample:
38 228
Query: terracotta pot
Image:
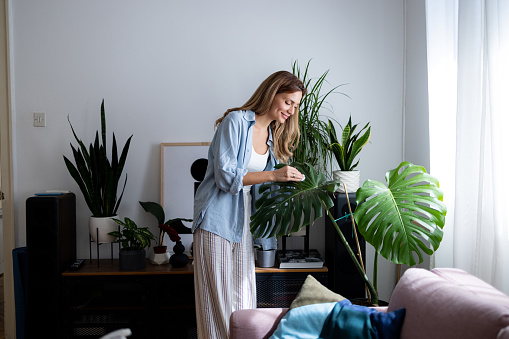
160 249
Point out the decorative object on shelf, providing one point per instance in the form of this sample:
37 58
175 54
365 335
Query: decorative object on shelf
171 228
100 227
313 146
265 252
400 220
98 178
345 151
160 256
133 240
179 259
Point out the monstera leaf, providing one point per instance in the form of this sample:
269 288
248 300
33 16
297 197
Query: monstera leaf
286 207
403 218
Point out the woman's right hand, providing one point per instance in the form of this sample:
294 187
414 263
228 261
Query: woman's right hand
288 173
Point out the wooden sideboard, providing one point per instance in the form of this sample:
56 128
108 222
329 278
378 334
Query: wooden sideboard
155 302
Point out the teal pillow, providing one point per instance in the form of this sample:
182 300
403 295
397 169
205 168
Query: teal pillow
354 321
303 322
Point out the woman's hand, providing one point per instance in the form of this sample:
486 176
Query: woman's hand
288 173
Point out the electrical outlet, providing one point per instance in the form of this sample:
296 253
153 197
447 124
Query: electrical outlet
39 119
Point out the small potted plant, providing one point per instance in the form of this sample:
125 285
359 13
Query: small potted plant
345 150
265 251
98 179
172 228
133 241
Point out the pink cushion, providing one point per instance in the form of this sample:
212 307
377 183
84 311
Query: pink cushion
449 303
257 323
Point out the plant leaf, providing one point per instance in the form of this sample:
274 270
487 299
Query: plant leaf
404 218
286 207
155 209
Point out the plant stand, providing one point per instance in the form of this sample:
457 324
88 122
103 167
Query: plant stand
97 247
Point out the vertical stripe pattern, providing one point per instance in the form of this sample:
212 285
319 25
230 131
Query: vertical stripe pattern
224 278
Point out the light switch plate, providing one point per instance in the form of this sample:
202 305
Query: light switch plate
39 119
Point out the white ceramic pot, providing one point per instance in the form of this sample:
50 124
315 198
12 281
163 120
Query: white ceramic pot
102 225
350 178
160 258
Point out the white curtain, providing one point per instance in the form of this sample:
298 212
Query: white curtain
468 67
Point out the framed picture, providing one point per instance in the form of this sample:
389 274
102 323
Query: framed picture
183 166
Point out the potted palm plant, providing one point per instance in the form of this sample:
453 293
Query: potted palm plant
98 179
401 220
133 240
345 150
313 146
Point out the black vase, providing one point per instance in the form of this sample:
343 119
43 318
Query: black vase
179 259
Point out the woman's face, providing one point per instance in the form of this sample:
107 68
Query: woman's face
284 105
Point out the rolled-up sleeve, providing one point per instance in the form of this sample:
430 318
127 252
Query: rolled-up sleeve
229 173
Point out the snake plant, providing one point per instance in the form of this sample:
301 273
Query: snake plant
397 220
96 176
346 150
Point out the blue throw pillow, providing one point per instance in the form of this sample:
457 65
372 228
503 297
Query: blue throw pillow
354 321
304 322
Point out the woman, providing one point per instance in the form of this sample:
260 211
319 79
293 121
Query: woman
248 143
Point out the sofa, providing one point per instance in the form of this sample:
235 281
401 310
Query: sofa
439 303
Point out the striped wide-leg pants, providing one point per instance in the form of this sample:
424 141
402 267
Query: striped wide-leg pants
224 278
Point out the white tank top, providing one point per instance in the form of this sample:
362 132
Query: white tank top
257 163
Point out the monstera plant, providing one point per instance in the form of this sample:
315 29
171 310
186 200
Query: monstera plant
398 220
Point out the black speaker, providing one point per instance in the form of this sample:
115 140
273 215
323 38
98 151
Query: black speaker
344 278
51 249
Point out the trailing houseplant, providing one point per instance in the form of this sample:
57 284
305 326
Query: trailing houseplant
313 146
345 151
399 219
133 240
97 177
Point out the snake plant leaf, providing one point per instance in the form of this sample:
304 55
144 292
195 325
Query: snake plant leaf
404 218
286 207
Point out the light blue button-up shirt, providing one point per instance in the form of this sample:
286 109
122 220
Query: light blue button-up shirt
219 202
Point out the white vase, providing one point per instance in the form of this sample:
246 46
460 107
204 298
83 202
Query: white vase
102 226
350 178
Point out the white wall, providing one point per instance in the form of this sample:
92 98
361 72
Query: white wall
168 69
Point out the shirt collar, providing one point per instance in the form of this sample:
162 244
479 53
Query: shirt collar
250 116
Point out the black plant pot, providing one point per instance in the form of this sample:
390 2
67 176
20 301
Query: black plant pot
132 260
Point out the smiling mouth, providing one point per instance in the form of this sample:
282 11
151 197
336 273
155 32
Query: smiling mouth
286 116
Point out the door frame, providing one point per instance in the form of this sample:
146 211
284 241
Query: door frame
6 156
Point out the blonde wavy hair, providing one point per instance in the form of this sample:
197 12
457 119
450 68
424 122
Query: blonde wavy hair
286 136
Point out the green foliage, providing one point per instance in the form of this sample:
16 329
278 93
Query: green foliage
131 237
286 207
350 145
158 212
399 220
313 147
96 176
